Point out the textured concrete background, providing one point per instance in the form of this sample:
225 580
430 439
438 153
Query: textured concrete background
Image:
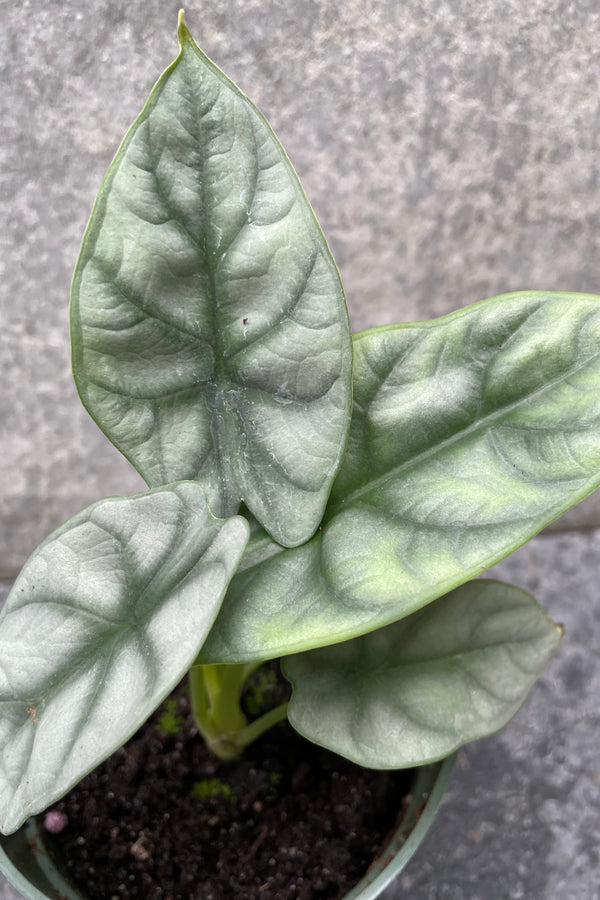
450 149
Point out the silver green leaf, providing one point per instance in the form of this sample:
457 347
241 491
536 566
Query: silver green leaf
104 620
469 434
415 691
209 327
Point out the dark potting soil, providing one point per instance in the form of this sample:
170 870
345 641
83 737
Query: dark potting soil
163 819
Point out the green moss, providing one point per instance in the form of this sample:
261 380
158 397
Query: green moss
171 722
212 787
259 688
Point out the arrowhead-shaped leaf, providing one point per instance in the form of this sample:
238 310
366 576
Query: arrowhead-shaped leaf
209 328
469 434
104 620
413 692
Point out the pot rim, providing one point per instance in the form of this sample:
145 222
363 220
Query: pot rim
427 792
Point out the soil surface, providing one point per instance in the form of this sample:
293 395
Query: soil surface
163 819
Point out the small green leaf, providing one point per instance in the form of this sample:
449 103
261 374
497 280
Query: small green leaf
413 692
209 327
104 620
469 434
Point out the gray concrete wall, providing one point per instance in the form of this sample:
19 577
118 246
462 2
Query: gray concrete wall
451 151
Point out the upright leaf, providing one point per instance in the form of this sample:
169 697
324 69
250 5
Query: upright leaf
104 620
469 434
417 690
209 327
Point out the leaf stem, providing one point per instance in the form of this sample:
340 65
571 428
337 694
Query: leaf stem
254 730
215 692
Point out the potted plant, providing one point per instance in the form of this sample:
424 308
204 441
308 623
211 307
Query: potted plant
312 496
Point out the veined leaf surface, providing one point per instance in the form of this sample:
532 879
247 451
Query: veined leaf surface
415 691
104 620
469 434
209 327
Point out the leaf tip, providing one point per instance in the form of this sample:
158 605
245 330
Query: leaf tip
183 34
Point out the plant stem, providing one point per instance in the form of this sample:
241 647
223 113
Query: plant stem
215 695
254 730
